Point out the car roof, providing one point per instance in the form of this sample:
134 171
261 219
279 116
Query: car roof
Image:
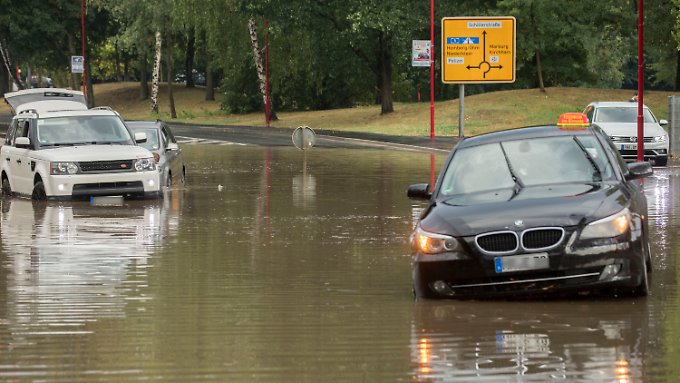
51 106
71 113
18 98
523 134
615 104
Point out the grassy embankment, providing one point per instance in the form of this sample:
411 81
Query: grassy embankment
483 112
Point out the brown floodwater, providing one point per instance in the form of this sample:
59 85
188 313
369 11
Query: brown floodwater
276 265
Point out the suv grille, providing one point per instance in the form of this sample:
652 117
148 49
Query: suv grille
117 166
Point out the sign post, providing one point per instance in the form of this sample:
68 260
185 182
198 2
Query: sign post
477 50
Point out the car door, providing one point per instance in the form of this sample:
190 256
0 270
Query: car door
173 156
16 163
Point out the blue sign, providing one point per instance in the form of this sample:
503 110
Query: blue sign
462 40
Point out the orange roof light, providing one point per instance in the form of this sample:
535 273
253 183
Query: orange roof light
573 121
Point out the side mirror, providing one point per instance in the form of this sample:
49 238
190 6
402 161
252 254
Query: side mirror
419 191
140 137
172 146
639 170
663 122
22 142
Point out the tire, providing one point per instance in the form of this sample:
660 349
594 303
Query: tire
661 161
642 289
6 187
39 192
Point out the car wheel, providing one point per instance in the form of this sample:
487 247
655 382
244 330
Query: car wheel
39 191
642 289
6 188
661 161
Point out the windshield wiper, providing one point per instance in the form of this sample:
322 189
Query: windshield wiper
519 185
597 176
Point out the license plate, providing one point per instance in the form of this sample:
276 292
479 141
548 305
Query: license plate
628 146
522 262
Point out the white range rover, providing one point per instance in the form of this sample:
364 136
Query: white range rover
56 148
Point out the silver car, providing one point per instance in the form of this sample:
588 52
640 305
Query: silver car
167 153
619 122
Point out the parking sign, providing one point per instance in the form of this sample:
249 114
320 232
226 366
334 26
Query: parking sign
77 64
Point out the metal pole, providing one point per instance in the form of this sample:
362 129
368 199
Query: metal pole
267 107
641 84
432 69
83 40
461 111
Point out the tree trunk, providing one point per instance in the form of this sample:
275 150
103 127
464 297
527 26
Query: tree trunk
189 63
677 71
119 76
168 66
73 78
155 74
88 71
209 86
4 81
385 72
7 63
143 80
259 66
539 69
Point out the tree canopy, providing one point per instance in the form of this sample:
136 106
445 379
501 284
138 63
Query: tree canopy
336 53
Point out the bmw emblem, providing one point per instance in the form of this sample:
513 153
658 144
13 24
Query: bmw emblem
519 223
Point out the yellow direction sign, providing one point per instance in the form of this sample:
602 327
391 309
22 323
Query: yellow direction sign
478 49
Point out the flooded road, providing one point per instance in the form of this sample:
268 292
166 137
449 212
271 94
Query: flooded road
276 266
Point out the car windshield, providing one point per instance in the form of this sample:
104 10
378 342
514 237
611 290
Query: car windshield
525 163
73 130
621 114
152 142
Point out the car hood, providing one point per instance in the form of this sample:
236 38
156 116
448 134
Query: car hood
555 205
630 129
92 153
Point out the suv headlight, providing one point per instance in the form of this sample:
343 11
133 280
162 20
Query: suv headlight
663 138
64 168
608 227
431 243
144 164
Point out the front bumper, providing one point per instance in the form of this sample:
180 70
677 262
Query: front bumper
131 184
652 150
463 275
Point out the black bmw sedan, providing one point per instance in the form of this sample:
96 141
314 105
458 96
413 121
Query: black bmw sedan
536 210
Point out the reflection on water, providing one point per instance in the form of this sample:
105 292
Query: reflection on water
296 269
569 341
72 263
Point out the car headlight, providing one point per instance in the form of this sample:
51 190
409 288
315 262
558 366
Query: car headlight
663 138
64 168
431 243
608 227
143 164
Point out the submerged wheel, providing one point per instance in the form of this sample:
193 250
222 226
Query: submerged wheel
168 181
642 289
6 188
39 191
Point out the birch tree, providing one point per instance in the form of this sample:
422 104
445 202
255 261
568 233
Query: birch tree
156 74
259 66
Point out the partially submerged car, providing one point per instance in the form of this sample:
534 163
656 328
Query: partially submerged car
165 149
619 122
73 153
535 210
